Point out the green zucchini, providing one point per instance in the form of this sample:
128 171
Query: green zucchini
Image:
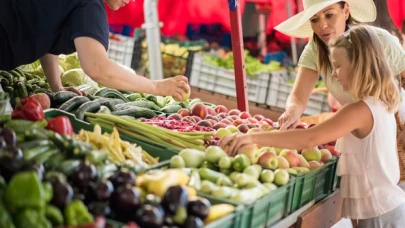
152 98
67 167
171 108
54 161
110 93
36 151
141 103
35 143
42 158
134 96
90 106
4 82
63 96
136 112
73 103
110 103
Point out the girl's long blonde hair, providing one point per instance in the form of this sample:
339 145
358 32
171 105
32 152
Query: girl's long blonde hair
370 74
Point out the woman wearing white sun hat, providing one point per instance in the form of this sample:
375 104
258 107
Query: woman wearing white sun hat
320 21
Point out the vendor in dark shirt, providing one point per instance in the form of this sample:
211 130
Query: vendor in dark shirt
43 29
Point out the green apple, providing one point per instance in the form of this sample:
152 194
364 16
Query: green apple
222 132
214 153
281 177
177 162
232 128
267 176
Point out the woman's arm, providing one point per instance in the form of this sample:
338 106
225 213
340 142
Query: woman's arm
356 116
50 65
96 64
297 100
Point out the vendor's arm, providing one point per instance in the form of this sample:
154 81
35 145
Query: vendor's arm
96 64
50 65
353 117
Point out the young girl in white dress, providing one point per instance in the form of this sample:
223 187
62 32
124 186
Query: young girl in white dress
365 129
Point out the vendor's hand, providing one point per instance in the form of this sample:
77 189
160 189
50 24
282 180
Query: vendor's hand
289 119
174 87
231 144
73 89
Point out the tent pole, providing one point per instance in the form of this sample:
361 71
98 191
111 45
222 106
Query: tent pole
152 28
238 55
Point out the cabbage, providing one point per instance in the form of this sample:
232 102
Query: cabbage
74 77
70 62
30 67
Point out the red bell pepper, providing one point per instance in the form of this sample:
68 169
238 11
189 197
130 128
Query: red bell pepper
61 125
28 109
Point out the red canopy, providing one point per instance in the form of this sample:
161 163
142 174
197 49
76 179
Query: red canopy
176 14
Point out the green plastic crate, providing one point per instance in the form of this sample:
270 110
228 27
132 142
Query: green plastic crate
314 185
267 210
163 153
229 221
336 178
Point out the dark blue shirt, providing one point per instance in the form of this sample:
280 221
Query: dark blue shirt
29 29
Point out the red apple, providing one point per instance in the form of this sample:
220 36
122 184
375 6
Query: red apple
213 122
258 117
211 111
226 121
223 115
244 115
210 117
184 112
238 122
199 110
43 99
252 120
269 121
218 126
221 108
174 116
234 112
243 128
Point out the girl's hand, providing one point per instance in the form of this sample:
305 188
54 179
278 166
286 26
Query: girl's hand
175 87
232 144
289 119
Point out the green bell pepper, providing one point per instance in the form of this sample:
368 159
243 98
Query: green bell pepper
25 190
54 215
31 218
5 218
76 214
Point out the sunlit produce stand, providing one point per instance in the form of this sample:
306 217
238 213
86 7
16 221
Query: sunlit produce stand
141 160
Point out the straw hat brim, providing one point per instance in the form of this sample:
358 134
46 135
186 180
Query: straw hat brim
299 25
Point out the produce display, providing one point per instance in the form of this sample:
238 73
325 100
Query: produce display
214 172
50 176
253 66
174 57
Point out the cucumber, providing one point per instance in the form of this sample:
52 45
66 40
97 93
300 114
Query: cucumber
42 158
133 96
36 151
90 106
16 75
152 98
35 143
141 103
73 103
9 90
136 112
171 109
63 96
67 167
22 89
110 103
7 76
4 82
54 161
97 156
110 93
36 133
81 149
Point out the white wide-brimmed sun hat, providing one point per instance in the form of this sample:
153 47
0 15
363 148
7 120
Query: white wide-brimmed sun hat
299 25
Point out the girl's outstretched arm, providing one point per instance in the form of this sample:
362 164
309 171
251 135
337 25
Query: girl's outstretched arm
353 117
